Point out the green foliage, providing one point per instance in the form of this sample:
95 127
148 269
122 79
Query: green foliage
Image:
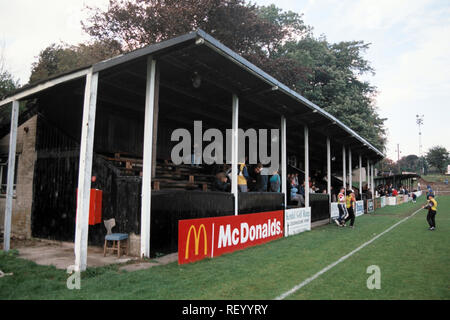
279 42
333 82
60 58
438 157
7 83
387 165
410 163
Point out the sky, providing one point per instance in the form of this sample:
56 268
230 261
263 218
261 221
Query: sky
410 52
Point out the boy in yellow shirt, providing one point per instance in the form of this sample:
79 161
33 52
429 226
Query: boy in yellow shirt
350 202
432 209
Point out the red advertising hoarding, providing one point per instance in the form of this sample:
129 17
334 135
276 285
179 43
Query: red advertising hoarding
212 237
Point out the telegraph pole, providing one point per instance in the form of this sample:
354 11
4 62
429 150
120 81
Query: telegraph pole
419 121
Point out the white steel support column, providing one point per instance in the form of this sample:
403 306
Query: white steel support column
146 200
284 159
85 171
329 167
306 167
360 177
329 175
344 171
234 153
10 177
373 181
350 169
368 174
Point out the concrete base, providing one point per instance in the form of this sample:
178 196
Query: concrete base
61 254
146 265
320 223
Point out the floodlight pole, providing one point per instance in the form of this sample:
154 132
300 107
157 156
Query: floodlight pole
419 121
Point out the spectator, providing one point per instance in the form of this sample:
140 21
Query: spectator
296 181
261 178
242 177
429 190
275 182
302 190
221 183
293 195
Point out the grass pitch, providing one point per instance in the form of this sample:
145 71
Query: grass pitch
413 262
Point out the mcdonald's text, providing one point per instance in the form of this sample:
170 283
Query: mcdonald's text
211 237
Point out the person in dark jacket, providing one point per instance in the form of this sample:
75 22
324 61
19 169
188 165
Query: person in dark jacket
221 183
261 179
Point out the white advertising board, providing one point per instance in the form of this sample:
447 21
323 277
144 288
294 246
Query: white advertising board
383 202
359 208
391 201
334 210
297 220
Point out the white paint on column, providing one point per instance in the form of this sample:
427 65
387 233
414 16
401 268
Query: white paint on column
234 153
146 208
344 171
85 171
306 167
360 177
283 160
10 176
350 170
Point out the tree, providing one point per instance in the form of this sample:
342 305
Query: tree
7 82
410 163
438 157
334 84
243 27
61 58
387 166
277 41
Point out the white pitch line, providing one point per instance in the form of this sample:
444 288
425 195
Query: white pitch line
318 274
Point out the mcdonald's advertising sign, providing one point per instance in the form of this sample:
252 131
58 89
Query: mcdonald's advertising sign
211 237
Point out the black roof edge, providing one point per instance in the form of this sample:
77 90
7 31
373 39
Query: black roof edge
145 51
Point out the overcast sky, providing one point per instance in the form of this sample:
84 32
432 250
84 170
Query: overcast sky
410 52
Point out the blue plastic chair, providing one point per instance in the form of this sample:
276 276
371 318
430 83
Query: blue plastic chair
116 238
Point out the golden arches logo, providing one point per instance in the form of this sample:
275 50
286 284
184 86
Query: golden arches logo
197 235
